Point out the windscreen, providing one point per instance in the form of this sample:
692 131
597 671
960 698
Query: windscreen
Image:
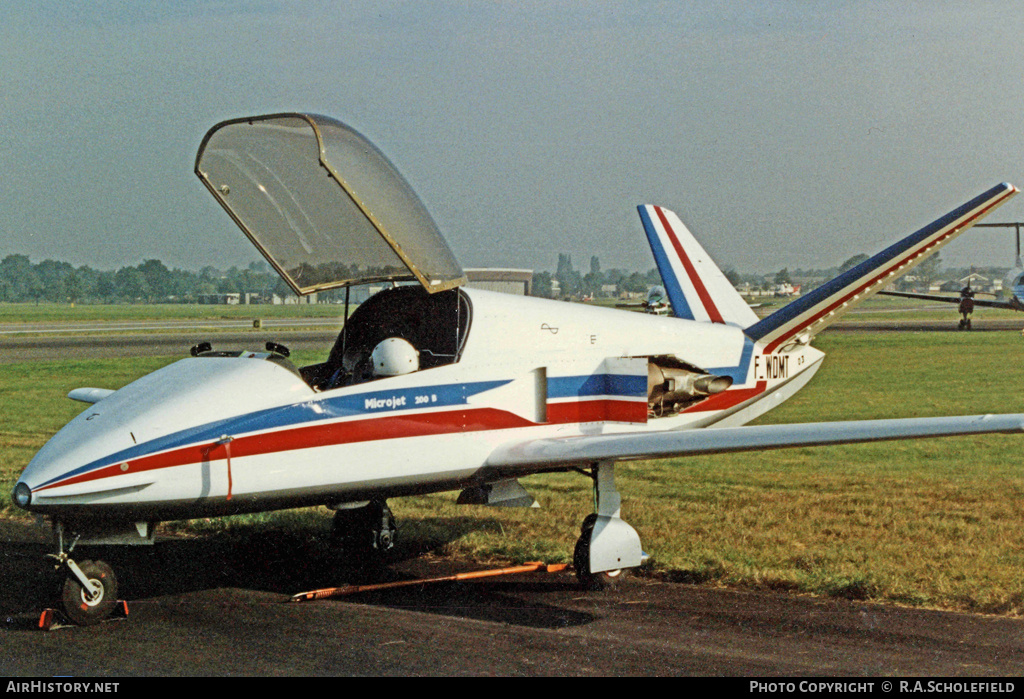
322 204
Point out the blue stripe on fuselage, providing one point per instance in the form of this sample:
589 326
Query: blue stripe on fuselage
370 403
737 373
623 385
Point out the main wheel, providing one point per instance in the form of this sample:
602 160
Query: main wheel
365 531
85 609
581 564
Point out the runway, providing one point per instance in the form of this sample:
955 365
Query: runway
50 347
54 341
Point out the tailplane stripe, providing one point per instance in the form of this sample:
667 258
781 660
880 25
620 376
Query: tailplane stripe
828 302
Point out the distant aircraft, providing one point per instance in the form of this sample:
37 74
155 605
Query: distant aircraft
967 299
433 386
655 303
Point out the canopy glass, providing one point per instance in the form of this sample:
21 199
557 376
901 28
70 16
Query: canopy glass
322 204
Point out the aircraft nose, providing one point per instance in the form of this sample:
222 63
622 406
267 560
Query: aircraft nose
22 496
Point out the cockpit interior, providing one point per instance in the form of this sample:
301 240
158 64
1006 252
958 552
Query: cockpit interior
435 325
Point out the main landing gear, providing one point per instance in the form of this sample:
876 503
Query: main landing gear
363 529
90 590
607 546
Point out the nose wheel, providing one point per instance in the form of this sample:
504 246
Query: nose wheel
88 605
89 594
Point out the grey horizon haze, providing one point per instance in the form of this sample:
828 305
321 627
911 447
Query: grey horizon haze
784 134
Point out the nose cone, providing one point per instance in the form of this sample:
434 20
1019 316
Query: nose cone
95 458
82 445
22 496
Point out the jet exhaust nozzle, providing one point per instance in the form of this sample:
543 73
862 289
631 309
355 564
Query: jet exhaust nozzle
672 385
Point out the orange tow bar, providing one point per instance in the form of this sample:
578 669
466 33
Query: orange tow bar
329 592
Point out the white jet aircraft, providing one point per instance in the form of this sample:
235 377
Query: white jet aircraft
433 386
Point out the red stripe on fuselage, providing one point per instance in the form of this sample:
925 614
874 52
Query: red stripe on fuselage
369 430
597 411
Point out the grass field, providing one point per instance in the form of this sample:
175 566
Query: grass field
931 523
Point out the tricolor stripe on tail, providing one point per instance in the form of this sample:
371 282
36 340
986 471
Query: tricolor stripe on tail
821 307
695 285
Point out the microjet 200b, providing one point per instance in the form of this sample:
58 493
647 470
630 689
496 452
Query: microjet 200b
432 386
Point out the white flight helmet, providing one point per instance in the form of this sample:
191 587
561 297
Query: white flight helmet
393 357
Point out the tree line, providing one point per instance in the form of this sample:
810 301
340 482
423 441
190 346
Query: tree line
148 282
152 282
567 282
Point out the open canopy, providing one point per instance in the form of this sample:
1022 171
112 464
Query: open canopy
322 204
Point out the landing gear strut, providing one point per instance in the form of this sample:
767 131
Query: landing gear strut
90 589
607 546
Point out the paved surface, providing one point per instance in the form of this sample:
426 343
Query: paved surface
216 607
188 326
111 340
926 325
15 349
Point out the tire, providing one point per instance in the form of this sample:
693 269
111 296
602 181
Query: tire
581 564
365 532
77 605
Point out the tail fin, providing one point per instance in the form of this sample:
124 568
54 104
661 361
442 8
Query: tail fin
695 285
821 307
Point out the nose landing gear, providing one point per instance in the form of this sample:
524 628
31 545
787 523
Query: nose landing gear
90 590
89 605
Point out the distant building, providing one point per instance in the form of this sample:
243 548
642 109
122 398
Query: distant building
978 283
508 281
292 299
786 289
232 299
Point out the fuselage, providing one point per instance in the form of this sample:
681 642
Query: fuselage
213 435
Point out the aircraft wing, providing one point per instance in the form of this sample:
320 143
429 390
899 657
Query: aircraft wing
1012 305
566 452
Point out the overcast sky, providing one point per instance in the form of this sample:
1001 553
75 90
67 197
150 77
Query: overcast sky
784 134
